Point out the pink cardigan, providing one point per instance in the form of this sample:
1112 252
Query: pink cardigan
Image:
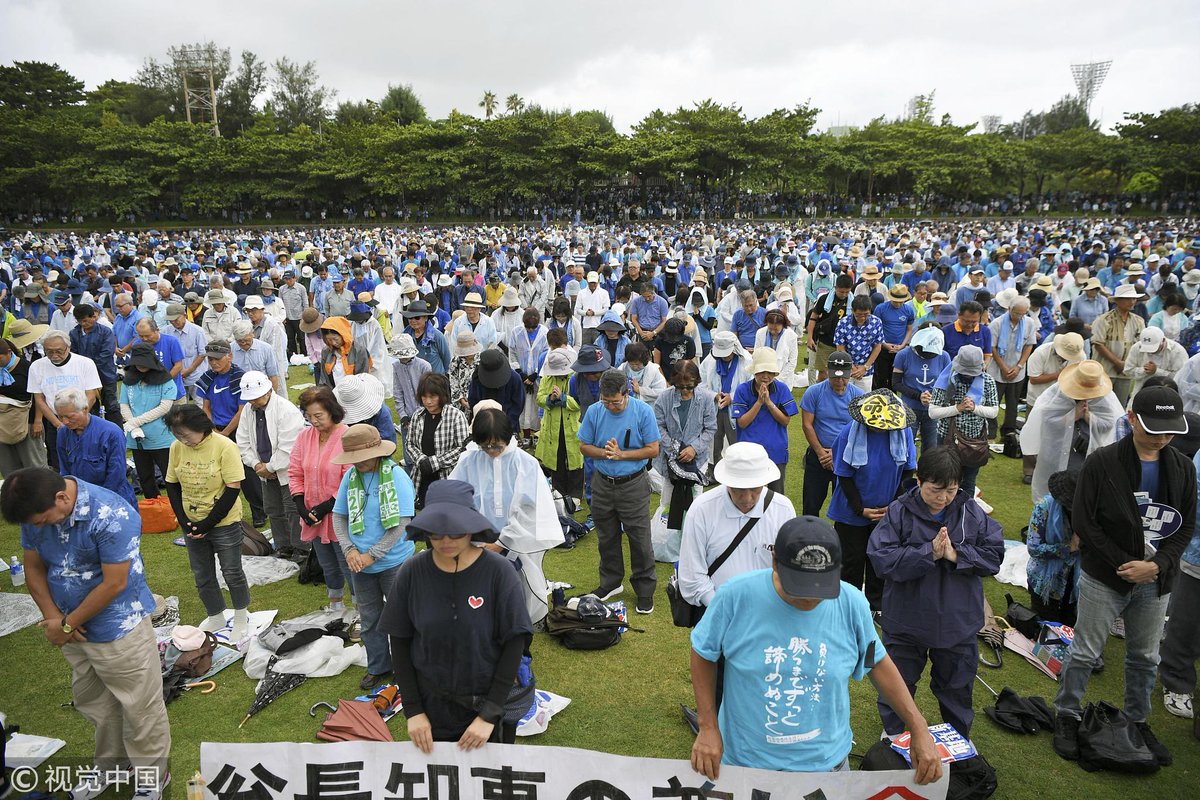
312 473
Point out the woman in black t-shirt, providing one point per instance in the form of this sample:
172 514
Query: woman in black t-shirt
459 629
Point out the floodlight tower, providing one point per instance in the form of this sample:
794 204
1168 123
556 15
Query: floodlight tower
196 69
1088 78
991 123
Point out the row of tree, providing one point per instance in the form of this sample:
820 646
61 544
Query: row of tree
124 148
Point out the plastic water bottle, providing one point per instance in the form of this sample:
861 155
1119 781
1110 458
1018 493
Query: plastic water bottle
17 572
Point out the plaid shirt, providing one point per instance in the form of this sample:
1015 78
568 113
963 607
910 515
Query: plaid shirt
859 340
969 423
448 442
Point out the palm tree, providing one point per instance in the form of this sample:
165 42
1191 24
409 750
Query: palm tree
488 104
514 104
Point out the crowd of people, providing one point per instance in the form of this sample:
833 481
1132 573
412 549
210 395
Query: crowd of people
539 372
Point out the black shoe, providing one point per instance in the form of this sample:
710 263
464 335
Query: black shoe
370 681
259 523
1156 747
645 605
1066 736
608 594
284 553
1098 667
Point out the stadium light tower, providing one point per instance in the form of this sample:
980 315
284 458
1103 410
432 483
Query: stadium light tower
196 69
1088 78
991 123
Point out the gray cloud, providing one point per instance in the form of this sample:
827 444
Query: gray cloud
854 60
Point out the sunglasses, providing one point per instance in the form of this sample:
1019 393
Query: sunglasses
437 537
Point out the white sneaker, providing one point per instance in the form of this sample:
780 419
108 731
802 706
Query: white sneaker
213 624
91 783
152 792
1117 629
1178 703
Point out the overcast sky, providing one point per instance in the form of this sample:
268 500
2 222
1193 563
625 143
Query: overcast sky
854 59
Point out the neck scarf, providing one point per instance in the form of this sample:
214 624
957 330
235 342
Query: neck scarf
855 453
356 498
1012 337
6 378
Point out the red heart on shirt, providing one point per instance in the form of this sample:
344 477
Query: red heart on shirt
474 602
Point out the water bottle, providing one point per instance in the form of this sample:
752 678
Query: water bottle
17 572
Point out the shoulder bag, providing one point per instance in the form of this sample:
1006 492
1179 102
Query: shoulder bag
972 451
683 613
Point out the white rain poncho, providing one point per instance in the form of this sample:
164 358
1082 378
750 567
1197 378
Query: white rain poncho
514 495
1188 381
1050 429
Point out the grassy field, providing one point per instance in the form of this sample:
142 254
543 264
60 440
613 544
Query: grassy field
625 699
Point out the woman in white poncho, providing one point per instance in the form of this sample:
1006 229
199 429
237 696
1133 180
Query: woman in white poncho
1083 392
512 492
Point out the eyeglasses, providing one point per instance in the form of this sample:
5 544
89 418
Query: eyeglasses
437 537
685 386
613 402
492 448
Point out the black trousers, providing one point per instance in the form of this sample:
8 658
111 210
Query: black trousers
1010 396
112 409
881 378
856 567
144 461
817 481
295 337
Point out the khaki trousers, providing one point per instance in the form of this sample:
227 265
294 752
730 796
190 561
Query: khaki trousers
117 686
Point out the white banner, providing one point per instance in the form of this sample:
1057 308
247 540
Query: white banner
399 771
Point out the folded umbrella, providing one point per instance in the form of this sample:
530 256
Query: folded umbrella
1020 714
355 721
270 688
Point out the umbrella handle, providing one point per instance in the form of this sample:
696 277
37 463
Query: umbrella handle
312 712
209 686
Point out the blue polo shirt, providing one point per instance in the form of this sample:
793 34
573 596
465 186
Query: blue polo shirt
764 430
746 326
877 480
919 374
223 392
895 320
830 410
956 339
169 350
125 328
633 428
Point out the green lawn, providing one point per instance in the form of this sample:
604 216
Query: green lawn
625 699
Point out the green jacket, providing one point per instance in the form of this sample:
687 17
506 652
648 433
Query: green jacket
564 414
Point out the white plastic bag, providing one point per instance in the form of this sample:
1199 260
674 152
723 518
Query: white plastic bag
664 540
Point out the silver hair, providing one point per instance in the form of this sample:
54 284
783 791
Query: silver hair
242 328
149 321
72 396
57 336
747 294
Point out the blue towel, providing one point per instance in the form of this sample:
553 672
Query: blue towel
975 391
855 453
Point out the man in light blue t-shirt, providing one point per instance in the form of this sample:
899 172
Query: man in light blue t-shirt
620 434
792 637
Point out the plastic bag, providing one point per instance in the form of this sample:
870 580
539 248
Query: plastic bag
157 515
665 541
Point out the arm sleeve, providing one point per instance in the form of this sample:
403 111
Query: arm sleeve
853 496
385 544
893 558
941 412
222 507
341 529
175 495
406 676
492 708
159 410
301 509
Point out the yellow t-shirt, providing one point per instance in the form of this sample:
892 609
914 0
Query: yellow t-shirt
493 294
203 472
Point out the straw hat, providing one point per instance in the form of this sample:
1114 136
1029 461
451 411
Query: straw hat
937 299
1069 347
473 300
510 298
1127 291
361 442
1084 381
882 410
765 360
23 333
467 345
899 292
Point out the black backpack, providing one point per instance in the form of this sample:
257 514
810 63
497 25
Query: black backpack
580 633
970 779
310 569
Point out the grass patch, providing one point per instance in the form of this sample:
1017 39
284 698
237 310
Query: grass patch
625 699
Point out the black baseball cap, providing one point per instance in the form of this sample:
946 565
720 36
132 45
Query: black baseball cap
808 558
839 364
1160 410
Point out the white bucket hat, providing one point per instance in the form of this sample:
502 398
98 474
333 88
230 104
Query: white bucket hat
745 465
360 396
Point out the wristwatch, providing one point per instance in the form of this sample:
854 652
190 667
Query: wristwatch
66 627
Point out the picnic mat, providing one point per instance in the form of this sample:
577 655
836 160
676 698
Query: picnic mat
17 611
261 570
